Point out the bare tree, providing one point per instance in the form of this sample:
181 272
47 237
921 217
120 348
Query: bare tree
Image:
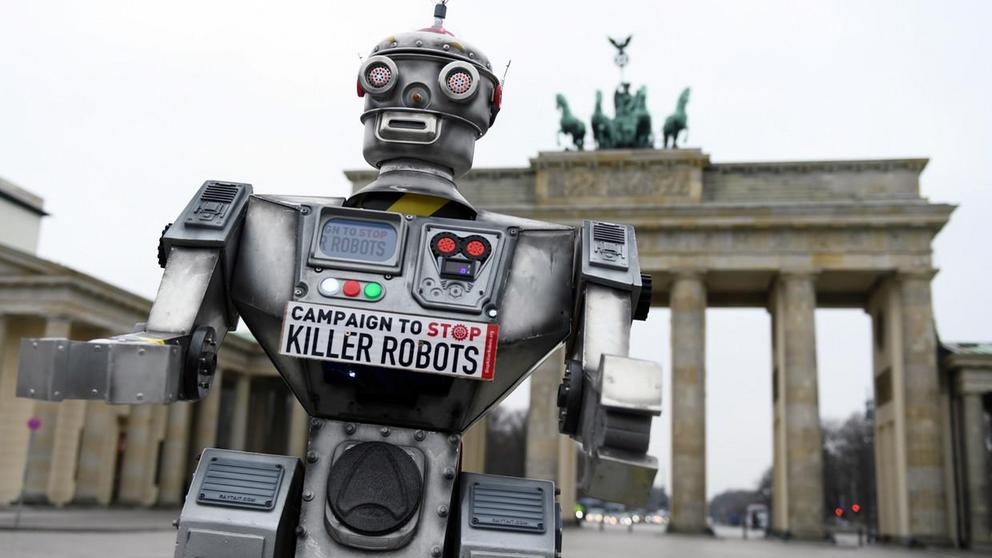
849 468
506 442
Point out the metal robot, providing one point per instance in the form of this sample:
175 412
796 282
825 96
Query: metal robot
398 316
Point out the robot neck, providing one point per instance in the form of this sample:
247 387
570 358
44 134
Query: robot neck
414 187
410 166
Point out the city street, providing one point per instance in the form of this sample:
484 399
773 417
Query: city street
148 534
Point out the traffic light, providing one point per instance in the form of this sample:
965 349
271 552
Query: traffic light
839 512
856 508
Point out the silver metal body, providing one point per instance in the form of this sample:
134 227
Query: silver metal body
396 331
260 496
527 290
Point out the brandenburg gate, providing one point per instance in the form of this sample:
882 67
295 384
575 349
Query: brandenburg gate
788 237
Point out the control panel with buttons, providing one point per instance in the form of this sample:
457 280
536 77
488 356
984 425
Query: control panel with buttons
403 263
458 267
334 287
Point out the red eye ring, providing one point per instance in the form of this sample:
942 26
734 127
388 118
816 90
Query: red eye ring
476 247
445 244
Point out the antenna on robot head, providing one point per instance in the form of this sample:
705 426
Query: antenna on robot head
440 12
502 80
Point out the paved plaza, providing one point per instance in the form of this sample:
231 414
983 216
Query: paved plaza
102 533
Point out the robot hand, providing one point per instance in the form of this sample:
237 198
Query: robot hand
125 369
174 355
606 399
611 412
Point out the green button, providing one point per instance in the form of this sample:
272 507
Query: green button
373 290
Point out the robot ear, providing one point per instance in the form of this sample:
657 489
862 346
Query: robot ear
496 104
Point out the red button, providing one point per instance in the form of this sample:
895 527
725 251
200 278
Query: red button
351 288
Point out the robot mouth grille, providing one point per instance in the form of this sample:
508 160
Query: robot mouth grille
379 76
459 82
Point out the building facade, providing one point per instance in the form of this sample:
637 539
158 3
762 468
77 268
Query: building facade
787 237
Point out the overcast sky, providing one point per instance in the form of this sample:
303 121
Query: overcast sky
116 111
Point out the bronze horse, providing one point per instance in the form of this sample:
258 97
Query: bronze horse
570 125
677 122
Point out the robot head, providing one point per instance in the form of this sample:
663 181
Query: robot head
428 96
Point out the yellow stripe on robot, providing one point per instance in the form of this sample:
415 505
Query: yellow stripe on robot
417 204
153 340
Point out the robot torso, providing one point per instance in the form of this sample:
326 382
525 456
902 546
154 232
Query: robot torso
420 321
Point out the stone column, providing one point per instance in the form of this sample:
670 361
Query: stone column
299 425
890 467
134 470
40 453
474 448
567 472
924 428
43 447
798 460
976 482
175 454
208 411
14 414
98 454
65 452
550 454
688 306
153 457
239 418
542 419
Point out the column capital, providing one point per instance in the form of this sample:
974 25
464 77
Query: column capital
972 381
924 273
58 326
688 273
787 274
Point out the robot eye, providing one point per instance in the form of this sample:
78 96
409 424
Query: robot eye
378 75
459 81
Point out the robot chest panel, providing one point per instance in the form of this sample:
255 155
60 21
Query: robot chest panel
385 290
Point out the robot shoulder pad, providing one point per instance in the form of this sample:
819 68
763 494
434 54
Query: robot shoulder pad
609 255
212 217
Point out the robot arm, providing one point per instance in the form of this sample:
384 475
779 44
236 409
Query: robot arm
607 400
173 356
